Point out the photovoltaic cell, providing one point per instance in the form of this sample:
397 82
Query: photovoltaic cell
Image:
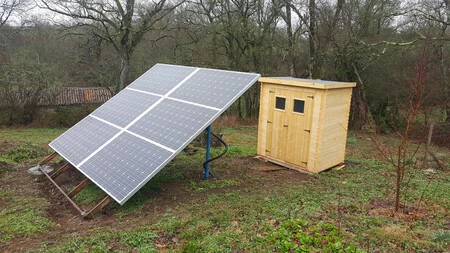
213 87
131 137
172 123
161 78
124 164
81 140
125 107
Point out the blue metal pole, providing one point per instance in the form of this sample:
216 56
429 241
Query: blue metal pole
208 149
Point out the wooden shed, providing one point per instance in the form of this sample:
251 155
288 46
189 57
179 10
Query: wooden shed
303 122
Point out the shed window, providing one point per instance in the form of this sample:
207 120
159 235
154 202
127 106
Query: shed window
299 106
280 103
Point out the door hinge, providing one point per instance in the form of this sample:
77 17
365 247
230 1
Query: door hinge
268 151
285 125
306 130
269 121
305 162
312 97
271 91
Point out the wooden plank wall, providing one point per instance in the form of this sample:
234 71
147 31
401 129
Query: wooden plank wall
331 146
263 115
316 130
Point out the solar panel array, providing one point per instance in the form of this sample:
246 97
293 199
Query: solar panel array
127 140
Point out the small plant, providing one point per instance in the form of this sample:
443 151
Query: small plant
296 235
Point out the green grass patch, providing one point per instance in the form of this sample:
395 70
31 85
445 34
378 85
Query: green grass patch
141 240
242 141
297 235
89 194
37 136
352 139
22 216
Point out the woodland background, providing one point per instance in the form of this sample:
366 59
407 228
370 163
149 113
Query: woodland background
49 44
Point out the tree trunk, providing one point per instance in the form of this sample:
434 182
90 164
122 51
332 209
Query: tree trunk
359 110
292 65
124 72
444 64
398 185
239 107
313 71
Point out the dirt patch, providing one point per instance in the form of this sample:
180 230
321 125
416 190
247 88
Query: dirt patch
351 164
385 207
4 166
269 167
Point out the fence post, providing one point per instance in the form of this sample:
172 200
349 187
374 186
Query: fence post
430 135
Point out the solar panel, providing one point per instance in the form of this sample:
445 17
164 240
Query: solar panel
127 140
125 107
161 78
81 140
172 123
213 87
123 164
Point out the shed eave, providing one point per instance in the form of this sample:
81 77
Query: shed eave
308 84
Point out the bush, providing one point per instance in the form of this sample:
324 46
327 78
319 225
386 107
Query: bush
25 80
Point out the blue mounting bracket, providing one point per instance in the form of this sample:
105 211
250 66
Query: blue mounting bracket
208 151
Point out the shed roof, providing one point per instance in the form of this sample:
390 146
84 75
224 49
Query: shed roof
310 83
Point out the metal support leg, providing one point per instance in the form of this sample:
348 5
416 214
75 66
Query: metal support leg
208 149
48 158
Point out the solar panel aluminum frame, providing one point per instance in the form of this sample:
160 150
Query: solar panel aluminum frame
181 147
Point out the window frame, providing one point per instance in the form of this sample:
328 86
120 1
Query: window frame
285 103
293 106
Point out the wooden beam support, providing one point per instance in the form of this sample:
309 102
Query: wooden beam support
60 170
48 158
105 201
78 188
62 191
87 215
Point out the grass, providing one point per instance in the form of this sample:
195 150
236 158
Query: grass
107 241
203 186
238 210
27 145
21 215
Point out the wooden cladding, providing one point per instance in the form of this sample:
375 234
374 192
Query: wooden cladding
303 123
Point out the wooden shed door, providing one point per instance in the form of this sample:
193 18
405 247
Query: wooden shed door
277 123
288 125
299 127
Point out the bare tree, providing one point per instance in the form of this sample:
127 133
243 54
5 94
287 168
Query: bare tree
8 8
24 82
402 156
437 13
120 23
